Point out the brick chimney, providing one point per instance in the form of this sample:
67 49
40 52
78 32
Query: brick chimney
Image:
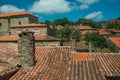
73 43
26 48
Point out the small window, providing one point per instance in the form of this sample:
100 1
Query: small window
0 24
19 23
53 44
18 31
36 31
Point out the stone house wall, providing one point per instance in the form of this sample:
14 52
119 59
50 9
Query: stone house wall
4 29
47 43
20 20
36 30
6 22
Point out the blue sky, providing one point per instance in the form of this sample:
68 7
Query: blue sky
97 10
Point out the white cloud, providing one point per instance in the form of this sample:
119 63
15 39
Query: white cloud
9 8
85 3
95 15
88 2
82 7
50 6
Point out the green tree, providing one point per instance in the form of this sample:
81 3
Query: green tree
87 22
97 41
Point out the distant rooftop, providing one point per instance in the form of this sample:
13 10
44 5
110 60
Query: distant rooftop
29 25
15 14
37 38
85 27
115 40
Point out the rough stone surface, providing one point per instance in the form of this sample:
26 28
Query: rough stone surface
6 22
73 43
26 48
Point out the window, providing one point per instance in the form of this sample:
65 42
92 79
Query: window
0 25
53 44
36 31
19 23
18 31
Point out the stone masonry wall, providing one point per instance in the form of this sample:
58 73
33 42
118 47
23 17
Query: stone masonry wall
42 30
26 48
19 20
73 43
4 29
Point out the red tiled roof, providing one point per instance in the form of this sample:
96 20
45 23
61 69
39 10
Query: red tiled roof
113 21
109 64
85 70
114 30
9 52
58 63
37 38
9 38
2 68
51 64
82 57
115 40
7 71
85 27
104 32
14 14
84 32
29 25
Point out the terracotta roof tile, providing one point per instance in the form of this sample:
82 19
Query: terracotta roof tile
49 65
85 27
9 52
114 30
115 40
101 66
2 68
7 71
109 63
85 70
82 57
104 32
14 14
37 38
84 32
29 25
9 38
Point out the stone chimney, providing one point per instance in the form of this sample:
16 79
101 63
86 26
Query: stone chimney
26 48
73 43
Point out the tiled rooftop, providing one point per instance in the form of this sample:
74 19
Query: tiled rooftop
115 40
14 14
7 71
94 66
104 32
115 31
37 38
51 64
81 57
109 64
85 27
29 25
85 70
57 63
9 52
